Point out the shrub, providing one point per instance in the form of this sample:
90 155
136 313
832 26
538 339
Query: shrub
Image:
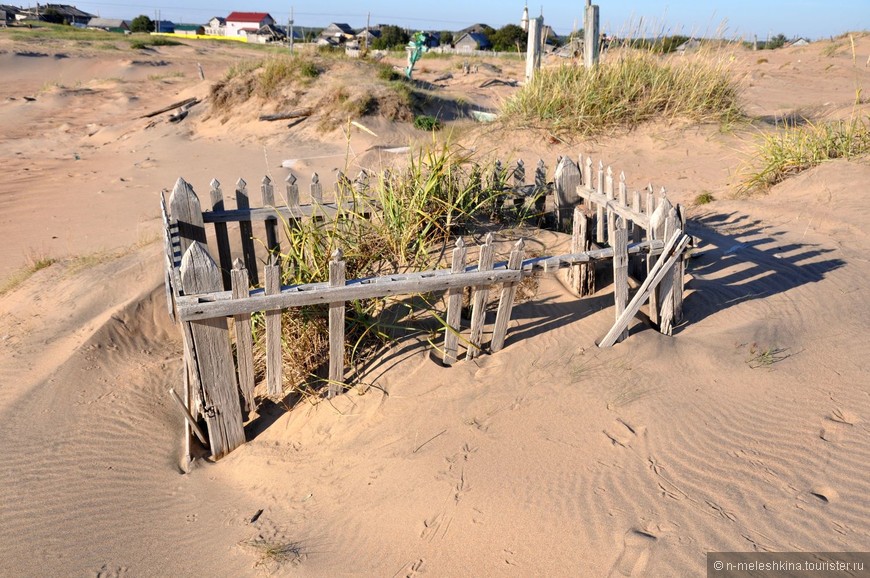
427 123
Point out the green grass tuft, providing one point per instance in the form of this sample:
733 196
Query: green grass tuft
704 198
427 123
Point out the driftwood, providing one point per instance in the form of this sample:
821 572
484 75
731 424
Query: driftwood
499 81
299 112
186 103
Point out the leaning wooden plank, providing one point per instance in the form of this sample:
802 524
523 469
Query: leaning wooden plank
478 311
298 113
191 423
672 252
186 214
336 326
187 102
268 194
620 272
506 300
220 233
454 305
214 357
244 337
246 231
666 289
274 365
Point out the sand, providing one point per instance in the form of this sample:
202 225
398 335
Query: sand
747 430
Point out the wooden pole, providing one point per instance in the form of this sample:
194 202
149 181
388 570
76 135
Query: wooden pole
533 48
454 305
274 363
244 338
478 311
506 301
591 31
187 417
336 326
620 272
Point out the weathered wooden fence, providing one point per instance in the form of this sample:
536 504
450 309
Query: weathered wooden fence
203 293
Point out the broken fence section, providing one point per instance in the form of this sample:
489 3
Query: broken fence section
644 240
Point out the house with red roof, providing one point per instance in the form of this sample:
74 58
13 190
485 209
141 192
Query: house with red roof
240 23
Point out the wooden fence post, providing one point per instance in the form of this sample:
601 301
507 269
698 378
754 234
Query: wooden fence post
582 274
454 305
214 356
246 231
611 216
679 284
565 181
336 326
316 190
590 38
271 224
506 300
244 341
533 47
499 179
655 232
274 362
220 234
620 272
519 182
600 237
186 213
292 191
478 312
666 292
540 189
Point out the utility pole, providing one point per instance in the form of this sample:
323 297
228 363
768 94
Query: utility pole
366 37
290 29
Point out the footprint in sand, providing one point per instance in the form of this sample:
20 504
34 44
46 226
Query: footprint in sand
636 552
622 433
826 494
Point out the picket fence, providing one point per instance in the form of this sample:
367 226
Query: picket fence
203 293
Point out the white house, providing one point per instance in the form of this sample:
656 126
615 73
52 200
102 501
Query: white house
240 23
217 26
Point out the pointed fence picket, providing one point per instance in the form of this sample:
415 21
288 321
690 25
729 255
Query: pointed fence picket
202 294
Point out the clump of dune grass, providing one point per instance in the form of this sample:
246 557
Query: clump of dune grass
405 221
796 148
624 91
33 262
274 554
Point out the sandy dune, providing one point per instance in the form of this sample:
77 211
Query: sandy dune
747 430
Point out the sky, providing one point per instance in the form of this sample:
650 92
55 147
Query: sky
733 19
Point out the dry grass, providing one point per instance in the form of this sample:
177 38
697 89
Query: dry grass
796 148
626 90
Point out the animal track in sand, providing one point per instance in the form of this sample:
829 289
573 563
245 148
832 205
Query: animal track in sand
637 548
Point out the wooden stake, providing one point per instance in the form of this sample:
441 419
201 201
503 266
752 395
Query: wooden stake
478 311
620 272
336 326
454 305
506 301
274 362
188 418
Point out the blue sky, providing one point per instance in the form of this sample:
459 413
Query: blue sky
734 18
